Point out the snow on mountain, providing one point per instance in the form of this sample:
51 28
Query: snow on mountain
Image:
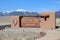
17 12
22 10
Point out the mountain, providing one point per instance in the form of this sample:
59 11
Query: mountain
1 14
57 14
23 12
19 12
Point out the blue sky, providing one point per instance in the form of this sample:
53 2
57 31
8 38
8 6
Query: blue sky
32 5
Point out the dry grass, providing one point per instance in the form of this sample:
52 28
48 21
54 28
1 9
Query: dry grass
27 34
20 35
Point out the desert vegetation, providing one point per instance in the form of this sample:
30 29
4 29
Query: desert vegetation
20 34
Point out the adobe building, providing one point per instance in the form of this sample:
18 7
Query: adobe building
45 20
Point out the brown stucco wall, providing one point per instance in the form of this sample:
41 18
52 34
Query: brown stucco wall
25 22
13 18
34 22
50 23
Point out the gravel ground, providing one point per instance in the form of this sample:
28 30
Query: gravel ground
9 34
29 34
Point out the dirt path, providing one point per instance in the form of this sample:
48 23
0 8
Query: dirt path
51 35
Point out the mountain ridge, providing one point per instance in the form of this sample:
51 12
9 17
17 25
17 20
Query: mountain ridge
17 12
21 12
